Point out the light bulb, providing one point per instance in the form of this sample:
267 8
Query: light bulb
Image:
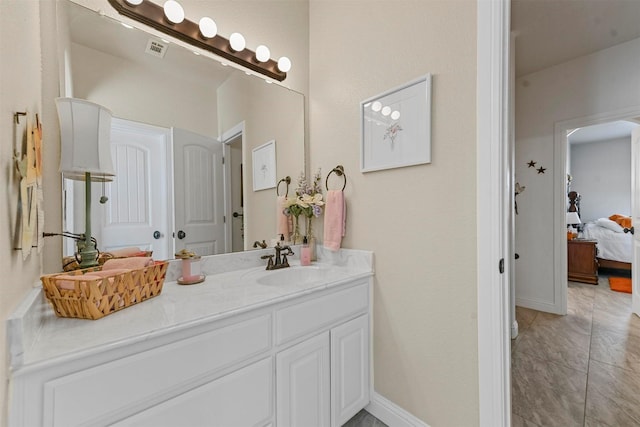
284 64
173 11
386 111
262 53
237 42
134 2
376 106
395 115
208 27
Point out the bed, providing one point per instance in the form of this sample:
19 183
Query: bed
615 248
615 245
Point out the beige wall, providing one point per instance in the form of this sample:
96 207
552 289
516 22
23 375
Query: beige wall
269 113
138 93
419 221
28 80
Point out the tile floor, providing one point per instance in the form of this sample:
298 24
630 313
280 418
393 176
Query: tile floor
364 419
582 369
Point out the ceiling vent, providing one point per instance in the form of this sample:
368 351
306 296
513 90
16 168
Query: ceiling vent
156 48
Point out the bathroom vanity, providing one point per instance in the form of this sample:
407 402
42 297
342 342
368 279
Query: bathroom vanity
247 347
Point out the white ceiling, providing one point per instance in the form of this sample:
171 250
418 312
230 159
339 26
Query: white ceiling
549 32
104 34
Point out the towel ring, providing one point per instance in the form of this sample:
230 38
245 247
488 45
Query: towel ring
287 180
338 170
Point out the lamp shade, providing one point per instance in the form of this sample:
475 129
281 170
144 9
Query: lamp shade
573 218
85 132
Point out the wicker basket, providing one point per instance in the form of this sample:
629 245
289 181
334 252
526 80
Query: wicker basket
95 298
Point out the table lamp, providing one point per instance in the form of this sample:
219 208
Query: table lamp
85 134
572 219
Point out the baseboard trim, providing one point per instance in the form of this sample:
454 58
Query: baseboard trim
537 305
391 414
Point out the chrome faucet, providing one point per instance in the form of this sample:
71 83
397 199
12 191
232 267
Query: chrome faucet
281 260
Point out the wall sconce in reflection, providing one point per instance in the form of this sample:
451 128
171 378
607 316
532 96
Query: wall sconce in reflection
170 20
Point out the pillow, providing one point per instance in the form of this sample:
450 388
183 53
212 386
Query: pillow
624 221
611 225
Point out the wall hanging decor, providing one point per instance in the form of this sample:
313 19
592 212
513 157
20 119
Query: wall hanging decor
28 162
396 127
264 166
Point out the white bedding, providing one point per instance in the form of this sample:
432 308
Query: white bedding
611 245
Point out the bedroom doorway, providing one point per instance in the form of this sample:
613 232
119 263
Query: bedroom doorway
596 153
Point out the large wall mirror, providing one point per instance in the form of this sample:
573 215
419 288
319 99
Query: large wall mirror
177 114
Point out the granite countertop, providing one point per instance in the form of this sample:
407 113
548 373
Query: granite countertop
37 336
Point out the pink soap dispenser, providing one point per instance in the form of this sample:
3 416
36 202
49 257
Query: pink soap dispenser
305 252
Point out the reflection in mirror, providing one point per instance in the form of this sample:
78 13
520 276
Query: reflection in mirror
178 116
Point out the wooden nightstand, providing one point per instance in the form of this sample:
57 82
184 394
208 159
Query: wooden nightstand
582 265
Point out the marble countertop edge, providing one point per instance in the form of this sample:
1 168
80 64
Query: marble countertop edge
25 325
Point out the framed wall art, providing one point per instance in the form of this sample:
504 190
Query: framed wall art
264 166
396 127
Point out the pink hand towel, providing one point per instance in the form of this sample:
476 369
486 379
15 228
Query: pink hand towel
334 219
284 221
131 263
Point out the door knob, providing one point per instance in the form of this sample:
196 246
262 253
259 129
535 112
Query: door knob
156 235
236 214
181 234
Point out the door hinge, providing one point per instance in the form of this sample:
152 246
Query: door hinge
224 219
501 265
223 160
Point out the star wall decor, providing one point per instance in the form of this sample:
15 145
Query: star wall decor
532 164
541 170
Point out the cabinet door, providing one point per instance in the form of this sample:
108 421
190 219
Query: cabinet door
243 398
349 369
302 384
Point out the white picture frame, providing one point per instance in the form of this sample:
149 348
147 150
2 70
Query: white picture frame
396 127
264 166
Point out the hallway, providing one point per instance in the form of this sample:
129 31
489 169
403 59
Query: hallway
582 369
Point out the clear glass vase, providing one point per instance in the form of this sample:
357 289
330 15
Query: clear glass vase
311 239
296 237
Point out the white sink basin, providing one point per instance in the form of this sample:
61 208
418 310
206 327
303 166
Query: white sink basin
297 275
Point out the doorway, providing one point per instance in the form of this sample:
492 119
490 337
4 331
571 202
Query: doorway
233 143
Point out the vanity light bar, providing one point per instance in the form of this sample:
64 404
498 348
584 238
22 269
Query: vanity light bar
153 15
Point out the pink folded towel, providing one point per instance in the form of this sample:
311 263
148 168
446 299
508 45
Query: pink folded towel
131 263
109 272
285 223
127 252
68 281
334 219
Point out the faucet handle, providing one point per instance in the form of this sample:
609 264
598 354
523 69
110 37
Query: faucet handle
270 262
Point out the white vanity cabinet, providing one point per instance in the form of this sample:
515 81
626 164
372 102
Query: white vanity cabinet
299 361
324 381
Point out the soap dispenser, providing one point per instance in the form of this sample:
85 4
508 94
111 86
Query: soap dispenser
305 253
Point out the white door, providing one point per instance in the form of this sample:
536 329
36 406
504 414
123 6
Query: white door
302 384
199 193
137 212
349 369
635 214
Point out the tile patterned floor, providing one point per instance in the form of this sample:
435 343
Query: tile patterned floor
364 419
582 369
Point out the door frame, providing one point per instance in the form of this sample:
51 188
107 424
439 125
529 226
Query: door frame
226 138
492 201
561 144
